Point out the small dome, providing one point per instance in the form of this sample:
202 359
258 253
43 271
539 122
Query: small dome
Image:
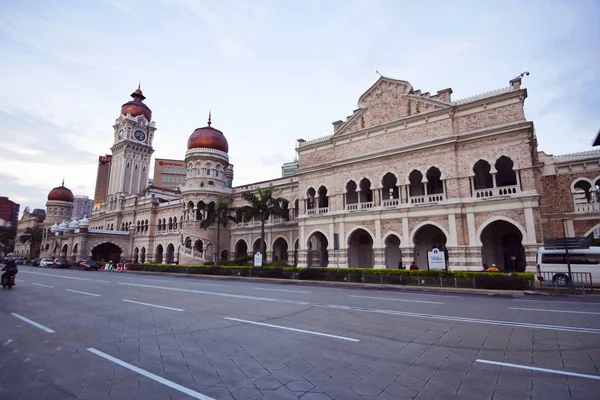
208 138
74 224
84 222
62 227
61 193
54 228
136 106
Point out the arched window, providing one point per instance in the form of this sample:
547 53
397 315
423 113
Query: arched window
435 186
351 196
170 223
389 192
416 187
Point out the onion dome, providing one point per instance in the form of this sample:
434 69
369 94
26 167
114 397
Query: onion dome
62 227
84 222
54 228
136 106
61 193
208 138
74 224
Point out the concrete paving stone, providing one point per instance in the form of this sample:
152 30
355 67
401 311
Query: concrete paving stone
247 394
448 384
299 386
509 394
268 383
255 372
300 366
368 389
473 392
360 369
281 393
274 365
346 377
315 396
316 376
401 391
216 392
411 381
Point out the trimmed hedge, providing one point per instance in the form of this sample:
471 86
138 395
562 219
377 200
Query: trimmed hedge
479 280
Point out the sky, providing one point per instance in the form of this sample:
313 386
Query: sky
270 72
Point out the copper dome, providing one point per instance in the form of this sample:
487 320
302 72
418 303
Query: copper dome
61 193
136 106
208 137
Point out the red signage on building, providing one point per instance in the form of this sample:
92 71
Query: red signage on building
172 164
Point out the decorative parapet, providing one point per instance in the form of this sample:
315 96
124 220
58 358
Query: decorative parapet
317 140
108 232
205 150
562 157
483 95
277 182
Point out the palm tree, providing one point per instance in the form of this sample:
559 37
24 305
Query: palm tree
262 204
34 237
218 213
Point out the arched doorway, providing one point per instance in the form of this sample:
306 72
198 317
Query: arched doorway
107 252
143 255
241 249
63 252
502 245
427 238
74 251
170 254
136 255
224 255
256 249
393 254
158 258
296 245
317 255
360 250
280 250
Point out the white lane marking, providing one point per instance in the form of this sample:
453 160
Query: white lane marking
42 327
389 298
206 284
42 285
55 275
591 303
152 305
18 280
559 311
293 329
77 291
150 375
281 290
550 371
379 311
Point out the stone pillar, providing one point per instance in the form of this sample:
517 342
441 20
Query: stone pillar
379 254
408 255
302 258
531 257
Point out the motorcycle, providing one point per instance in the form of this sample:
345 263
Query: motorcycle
8 281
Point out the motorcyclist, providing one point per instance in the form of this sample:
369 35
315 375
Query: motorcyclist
10 268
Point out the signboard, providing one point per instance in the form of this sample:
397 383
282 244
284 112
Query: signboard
437 259
570 243
258 260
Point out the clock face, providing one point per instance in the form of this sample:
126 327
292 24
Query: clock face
121 134
139 135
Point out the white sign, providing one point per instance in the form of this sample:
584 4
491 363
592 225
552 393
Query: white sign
258 260
437 259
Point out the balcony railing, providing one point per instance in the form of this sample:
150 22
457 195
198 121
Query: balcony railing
391 203
427 198
315 211
507 190
352 207
587 207
366 206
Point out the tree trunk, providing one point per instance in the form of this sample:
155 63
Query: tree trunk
218 242
263 250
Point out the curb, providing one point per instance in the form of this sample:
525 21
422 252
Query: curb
366 286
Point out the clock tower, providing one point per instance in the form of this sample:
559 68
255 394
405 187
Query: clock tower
132 148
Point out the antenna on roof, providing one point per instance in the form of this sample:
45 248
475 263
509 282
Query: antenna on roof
378 73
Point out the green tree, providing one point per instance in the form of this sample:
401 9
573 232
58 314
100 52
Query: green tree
34 237
7 238
220 214
261 206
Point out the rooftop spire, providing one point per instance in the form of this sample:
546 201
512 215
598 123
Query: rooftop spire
63 182
139 85
209 115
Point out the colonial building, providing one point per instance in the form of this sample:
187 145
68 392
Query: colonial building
405 173
29 219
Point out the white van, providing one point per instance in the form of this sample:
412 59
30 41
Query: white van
552 264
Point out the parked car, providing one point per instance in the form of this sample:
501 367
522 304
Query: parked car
18 261
61 263
46 262
36 262
88 265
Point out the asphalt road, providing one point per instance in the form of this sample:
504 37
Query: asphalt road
106 335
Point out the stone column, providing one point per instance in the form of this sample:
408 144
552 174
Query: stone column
379 254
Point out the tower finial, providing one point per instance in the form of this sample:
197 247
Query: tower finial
139 85
63 182
209 117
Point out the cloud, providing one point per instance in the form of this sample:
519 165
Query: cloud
32 196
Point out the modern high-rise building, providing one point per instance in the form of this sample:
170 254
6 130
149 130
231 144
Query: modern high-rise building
102 179
169 173
289 168
9 211
82 206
